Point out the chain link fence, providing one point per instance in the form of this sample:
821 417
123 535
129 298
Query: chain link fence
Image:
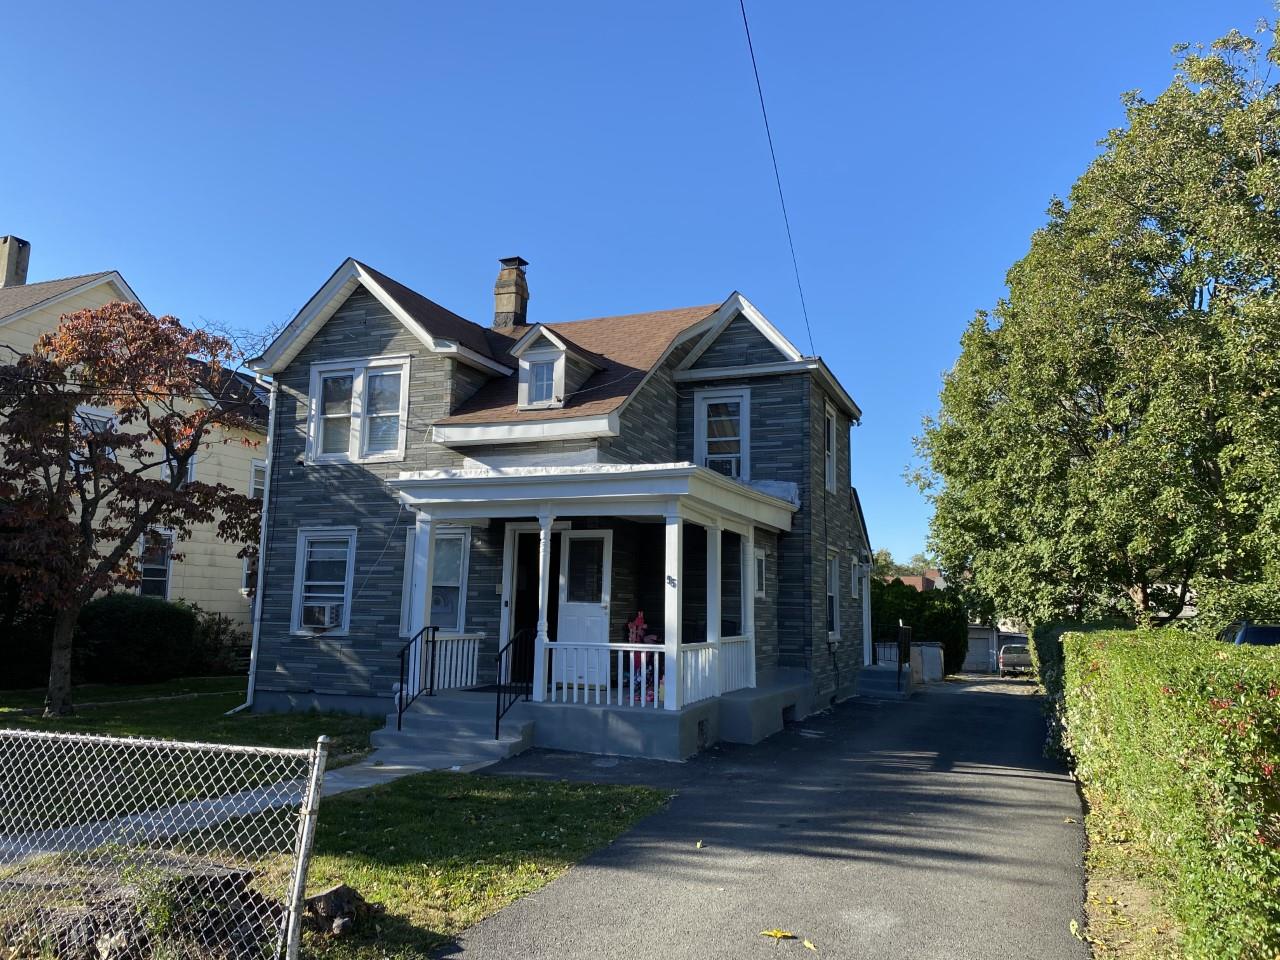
128 849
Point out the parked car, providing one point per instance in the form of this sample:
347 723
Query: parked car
1015 658
1248 633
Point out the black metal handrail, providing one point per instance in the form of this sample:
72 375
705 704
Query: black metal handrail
904 650
512 691
413 685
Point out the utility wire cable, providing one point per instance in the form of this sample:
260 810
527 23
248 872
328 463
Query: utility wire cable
742 4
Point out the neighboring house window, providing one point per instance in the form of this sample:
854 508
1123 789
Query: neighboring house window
322 580
166 471
449 576
833 592
156 563
829 432
93 422
722 439
761 564
249 577
732 593
542 381
359 410
258 479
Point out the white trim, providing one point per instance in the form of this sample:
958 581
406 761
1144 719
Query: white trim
463 534
740 395
305 535
568 428
556 358
406 584
113 278
760 572
538 330
814 366
262 548
743 307
326 301
358 435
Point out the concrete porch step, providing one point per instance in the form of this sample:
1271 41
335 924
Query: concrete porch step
881 683
453 724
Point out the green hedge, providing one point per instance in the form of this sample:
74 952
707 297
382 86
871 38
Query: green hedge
1179 737
125 638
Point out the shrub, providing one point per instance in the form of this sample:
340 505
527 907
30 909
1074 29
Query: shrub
1046 657
1179 737
125 638
219 645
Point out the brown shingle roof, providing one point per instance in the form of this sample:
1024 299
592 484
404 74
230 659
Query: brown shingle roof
444 323
24 295
628 347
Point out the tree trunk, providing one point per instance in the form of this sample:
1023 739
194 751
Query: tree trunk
58 699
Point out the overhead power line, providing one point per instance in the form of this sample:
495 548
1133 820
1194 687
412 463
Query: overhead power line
795 264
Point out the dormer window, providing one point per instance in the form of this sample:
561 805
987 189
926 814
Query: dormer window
542 382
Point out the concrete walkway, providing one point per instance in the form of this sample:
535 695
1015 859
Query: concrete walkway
926 830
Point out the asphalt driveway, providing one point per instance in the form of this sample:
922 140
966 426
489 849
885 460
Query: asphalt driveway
911 831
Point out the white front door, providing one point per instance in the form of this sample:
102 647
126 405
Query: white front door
585 565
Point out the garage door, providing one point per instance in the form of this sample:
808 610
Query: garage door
981 655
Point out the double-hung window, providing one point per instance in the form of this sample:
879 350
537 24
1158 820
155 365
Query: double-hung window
359 409
322 580
542 381
257 490
829 438
833 595
761 571
157 550
722 439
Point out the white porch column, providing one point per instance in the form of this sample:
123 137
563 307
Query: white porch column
750 586
424 556
672 608
714 540
545 520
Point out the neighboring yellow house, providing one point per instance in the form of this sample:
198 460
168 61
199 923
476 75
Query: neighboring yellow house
210 574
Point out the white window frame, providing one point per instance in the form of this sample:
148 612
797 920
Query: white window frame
168 573
305 535
831 446
527 361
99 413
701 399
855 578
833 594
359 370
254 467
406 584
761 572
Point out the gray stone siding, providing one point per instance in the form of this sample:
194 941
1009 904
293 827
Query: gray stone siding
365 662
738 345
646 434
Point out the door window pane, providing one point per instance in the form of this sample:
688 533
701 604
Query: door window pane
586 570
447 583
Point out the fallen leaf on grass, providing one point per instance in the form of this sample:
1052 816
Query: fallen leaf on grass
808 945
1075 930
777 934
1070 820
698 844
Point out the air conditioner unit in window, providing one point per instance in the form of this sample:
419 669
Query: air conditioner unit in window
324 616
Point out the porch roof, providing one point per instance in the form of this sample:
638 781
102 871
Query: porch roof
598 489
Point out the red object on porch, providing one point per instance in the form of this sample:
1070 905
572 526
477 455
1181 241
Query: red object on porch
636 634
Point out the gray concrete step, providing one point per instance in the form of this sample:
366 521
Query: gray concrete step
883 683
454 724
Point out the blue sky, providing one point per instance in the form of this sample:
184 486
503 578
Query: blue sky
226 157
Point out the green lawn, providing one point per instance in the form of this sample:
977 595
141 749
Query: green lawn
443 851
196 718
106 693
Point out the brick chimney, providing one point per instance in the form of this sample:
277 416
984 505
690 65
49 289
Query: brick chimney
15 254
511 295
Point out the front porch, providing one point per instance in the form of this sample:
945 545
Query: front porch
623 588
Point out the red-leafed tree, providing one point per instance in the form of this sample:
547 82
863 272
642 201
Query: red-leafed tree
98 427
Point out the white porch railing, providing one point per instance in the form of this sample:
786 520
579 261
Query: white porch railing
621 674
735 664
457 659
698 671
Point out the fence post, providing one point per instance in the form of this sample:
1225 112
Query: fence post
306 837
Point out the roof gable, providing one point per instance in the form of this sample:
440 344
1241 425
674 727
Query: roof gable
747 311
20 300
440 330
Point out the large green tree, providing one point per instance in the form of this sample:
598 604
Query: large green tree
1110 435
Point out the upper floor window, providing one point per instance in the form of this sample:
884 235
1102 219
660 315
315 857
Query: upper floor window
541 379
722 440
829 436
359 410
258 479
